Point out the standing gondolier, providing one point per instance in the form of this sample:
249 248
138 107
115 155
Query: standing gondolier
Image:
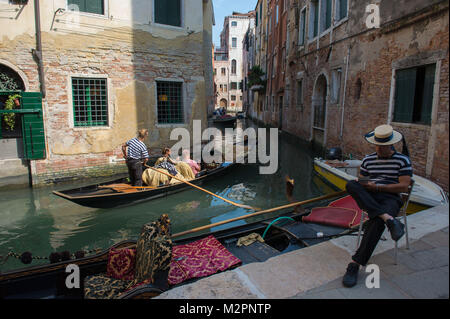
136 155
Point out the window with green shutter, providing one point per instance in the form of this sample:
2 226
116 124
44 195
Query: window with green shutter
89 6
90 102
414 94
168 12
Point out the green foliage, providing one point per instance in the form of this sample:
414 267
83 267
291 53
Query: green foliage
10 119
255 76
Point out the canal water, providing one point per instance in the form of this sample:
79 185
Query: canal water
37 221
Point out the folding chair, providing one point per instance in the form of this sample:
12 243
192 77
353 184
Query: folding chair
405 198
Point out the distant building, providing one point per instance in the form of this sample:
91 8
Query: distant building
107 68
231 37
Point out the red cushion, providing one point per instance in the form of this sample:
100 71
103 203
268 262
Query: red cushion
346 202
334 216
121 263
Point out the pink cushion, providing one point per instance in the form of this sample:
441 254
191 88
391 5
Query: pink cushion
121 263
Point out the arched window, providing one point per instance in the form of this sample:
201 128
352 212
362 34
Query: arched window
233 67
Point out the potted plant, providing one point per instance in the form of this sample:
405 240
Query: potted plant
11 103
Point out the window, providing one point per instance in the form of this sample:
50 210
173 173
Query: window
325 15
273 103
168 12
302 27
234 42
233 98
340 9
276 18
336 85
224 71
233 67
233 86
414 94
281 102
89 6
274 65
90 105
170 102
300 93
221 88
234 23
313 19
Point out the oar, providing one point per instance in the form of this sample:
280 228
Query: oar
194 230
202 189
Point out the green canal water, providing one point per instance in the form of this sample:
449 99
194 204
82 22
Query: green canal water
35 220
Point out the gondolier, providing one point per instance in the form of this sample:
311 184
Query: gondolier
136 155
383 175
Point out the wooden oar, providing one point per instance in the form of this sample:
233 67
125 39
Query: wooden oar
271 210
202 189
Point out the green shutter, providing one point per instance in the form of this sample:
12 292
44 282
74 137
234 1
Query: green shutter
405 87
328 15
33 126
316 19
94 6
342 9
427 102
80 3
168 12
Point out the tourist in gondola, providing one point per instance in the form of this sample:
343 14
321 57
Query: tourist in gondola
383 176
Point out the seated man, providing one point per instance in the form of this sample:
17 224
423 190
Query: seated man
384 174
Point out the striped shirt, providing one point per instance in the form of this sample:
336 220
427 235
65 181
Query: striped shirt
136 149
386 170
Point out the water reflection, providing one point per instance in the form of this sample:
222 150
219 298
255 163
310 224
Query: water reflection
35 220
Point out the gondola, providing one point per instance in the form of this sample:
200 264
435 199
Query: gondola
105 195
225 120
283 233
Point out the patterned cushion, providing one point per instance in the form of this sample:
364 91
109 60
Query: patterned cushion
103 287
121 263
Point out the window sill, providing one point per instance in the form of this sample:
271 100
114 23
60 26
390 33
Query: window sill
338 23
168 26
412 125
95 128
171 125
90 15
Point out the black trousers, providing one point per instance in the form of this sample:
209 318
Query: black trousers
375 204
135 171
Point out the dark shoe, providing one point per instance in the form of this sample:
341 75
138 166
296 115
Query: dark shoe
351 275
396 228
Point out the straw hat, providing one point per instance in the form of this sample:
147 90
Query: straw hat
384 135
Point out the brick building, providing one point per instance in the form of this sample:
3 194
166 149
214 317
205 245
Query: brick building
346 75
107 69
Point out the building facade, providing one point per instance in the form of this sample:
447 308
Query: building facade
231 39
353 65
104 70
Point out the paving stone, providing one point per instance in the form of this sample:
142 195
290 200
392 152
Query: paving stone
437 239
386 291
427 284
387 265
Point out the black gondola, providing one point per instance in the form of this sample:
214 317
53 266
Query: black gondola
97 196
49 281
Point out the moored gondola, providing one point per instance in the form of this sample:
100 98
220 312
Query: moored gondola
281 234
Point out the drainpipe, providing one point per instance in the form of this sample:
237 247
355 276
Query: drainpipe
345 91
38 52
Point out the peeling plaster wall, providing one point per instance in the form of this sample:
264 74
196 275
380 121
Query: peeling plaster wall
127 49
